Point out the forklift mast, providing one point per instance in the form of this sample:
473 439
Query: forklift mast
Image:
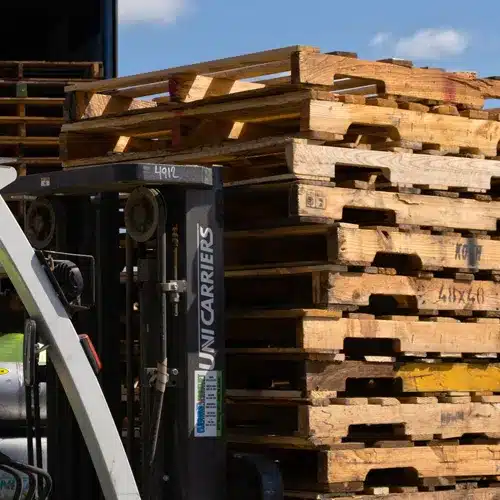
43 305
167 276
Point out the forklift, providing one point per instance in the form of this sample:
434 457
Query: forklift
145 239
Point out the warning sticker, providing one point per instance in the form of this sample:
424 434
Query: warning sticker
11 347
207 408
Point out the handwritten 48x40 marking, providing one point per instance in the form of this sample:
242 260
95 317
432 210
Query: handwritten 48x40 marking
467 295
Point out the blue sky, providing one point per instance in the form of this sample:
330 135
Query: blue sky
452 34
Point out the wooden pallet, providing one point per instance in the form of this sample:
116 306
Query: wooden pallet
59 70
353 420
405 493
272 374
28 149
321 331
340 72
331 286
289 203
347 244
349 167
309 113
281 158
358 469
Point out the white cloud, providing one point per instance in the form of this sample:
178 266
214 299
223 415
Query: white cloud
150 11
380 38
432 44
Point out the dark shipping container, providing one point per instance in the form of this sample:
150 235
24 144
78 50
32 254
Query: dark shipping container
70 30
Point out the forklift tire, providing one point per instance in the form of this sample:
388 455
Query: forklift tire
253 477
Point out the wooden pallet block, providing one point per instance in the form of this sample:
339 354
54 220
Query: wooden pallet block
319 330
291 202
270 374
367 420
348 244
328 285
311 113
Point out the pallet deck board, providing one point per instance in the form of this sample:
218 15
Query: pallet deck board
319 330
30 141
274 204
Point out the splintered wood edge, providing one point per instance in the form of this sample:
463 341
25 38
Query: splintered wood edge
212 66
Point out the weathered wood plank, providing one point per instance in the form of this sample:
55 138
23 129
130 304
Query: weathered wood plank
395 79
428 461
401 168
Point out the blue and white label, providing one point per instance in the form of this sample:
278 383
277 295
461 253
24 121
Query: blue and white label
208 397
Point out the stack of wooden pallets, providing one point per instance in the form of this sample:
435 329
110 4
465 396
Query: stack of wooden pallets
362 257
31 110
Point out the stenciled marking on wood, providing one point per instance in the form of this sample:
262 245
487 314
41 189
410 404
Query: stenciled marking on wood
470 252
315 200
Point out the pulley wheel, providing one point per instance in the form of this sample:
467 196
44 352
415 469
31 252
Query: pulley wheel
40 223
142 213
